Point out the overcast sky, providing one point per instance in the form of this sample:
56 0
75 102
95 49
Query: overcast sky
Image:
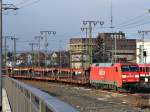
66 16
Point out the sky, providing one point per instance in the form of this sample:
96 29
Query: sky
66 16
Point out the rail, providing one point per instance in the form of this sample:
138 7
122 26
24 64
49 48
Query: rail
24 98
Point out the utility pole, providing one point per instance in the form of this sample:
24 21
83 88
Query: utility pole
7 7
143 33
86 43
39 38
45 34
112 27
111 14
115 48
89 25
32 51
2 7
112 54
86 31
115 57
60 61
5 48
86 36
14 51
1 38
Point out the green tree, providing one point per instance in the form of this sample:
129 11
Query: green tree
99 52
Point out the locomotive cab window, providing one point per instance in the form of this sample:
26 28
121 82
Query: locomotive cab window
97 64
125 69
134 68
129 68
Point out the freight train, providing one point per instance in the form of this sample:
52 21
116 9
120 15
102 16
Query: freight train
126 76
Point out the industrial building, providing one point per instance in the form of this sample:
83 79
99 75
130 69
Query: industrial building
117 47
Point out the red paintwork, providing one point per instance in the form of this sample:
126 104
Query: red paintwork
142 70
109 74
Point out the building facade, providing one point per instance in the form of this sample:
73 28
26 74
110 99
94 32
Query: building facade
114 46
79 52
141 47
119 48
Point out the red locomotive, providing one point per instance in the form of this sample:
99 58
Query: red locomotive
115 76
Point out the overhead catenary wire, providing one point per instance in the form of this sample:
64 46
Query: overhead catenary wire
140 21
134 26
132 22
29 4
132 19
24 4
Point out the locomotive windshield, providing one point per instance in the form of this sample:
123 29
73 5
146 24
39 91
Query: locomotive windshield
129 68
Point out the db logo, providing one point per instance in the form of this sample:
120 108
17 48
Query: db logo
101 72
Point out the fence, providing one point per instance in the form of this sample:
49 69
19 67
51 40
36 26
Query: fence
24 98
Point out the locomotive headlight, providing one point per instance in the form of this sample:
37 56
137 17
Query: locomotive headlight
124 76
136 76
146 79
